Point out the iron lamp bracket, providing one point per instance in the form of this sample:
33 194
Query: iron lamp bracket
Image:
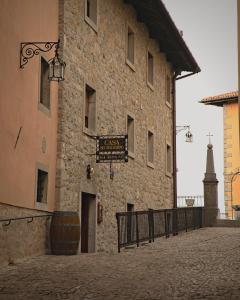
29 49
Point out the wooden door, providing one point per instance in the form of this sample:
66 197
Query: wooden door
84 223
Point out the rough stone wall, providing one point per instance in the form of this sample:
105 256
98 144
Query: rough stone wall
22 239
99 59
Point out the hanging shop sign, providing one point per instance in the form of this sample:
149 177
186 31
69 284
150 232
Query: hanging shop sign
111 148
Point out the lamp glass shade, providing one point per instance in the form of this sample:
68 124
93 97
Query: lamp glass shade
56 69
189 137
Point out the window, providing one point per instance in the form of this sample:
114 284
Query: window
44 84
130 132
130 46
130 207
42 186
91 13
90 108
169 160
168 90
150 147
150 69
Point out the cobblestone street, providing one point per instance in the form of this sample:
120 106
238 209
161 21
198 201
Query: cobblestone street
202 264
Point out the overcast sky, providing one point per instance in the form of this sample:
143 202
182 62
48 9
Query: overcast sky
210 31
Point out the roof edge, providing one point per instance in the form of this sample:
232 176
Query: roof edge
219 102
180 38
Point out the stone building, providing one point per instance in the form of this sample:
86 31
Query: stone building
123 58
229 102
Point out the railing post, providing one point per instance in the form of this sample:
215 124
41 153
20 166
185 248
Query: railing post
165 221
194 217
200 217
168 223
166 216
150 226
175 221
118 230
152 216
186 223
129 226
137 231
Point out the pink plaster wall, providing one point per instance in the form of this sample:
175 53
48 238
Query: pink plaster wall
23 21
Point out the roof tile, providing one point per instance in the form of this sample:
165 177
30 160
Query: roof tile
220 99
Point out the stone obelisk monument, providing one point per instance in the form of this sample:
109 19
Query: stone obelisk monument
210 184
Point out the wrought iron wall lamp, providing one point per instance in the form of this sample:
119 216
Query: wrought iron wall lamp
89 171
56 66
188 135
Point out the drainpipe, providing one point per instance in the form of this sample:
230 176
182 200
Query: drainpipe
174 142
174 78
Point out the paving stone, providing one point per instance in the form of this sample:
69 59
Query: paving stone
201 264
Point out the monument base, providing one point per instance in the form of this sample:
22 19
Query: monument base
209 216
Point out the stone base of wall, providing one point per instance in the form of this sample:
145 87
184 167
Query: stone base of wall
227 223
209 216
22 239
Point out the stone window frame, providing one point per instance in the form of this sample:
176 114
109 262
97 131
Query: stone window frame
132 116
149 84
42 107
45 168
89 131
168 90
128 62
88 20
149 163
168 145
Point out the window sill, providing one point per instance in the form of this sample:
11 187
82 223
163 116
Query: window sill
44 109
131 65
131 154
150 165
41 206
168 104
89 132
168 174
150 85
91 24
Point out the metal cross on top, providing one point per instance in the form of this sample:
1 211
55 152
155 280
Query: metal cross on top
209 135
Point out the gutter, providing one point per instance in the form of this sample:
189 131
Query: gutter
187 75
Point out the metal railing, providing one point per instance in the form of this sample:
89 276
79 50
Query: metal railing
7 222
198 201
139 226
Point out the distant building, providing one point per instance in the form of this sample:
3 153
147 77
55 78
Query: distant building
231 111
229 102
238 26
122 63
238 30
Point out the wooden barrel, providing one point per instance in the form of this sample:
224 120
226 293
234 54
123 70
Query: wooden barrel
64 233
